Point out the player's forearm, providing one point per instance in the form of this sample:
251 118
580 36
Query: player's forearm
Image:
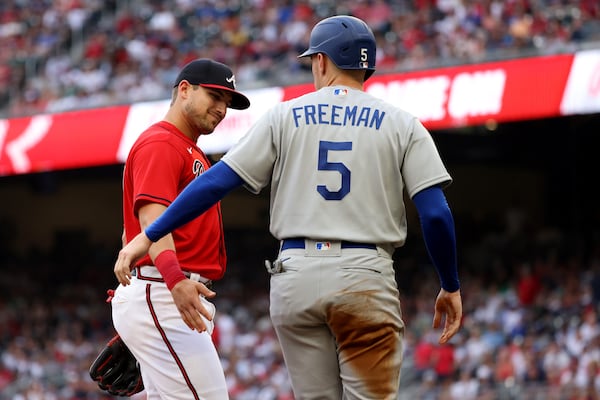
147 214
201 194
437 225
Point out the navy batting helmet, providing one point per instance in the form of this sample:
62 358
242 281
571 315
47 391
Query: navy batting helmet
347 41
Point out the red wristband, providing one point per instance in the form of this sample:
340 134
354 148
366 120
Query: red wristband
168 266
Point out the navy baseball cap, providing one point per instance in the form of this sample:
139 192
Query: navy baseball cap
212 74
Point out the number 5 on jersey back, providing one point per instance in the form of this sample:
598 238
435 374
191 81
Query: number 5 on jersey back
324 165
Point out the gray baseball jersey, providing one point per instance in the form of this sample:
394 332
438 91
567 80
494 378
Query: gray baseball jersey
338 161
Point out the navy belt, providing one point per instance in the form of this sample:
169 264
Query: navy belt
298 243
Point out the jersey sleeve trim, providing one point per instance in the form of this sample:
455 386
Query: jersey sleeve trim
443 181
251 185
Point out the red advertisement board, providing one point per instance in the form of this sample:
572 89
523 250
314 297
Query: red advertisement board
518 89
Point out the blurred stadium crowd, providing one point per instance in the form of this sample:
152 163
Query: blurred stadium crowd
57 55
531 293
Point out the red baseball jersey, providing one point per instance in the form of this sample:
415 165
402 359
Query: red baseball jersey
160 164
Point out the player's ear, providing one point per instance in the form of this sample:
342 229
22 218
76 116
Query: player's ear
322 61
184 88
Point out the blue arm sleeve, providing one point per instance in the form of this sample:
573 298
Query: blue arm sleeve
437 225
197 197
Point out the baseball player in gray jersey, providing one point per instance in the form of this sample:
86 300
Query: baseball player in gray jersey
338 161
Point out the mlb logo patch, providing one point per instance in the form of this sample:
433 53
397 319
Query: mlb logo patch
340 92
364 64
323 246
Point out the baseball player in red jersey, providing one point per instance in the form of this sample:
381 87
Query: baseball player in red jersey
162 313
334 300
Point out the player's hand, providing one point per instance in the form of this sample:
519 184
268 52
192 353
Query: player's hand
448 305
128 255
186 294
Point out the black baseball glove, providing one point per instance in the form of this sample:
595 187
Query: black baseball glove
116 370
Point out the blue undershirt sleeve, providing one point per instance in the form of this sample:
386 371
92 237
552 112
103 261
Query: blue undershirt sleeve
437 225
197 197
